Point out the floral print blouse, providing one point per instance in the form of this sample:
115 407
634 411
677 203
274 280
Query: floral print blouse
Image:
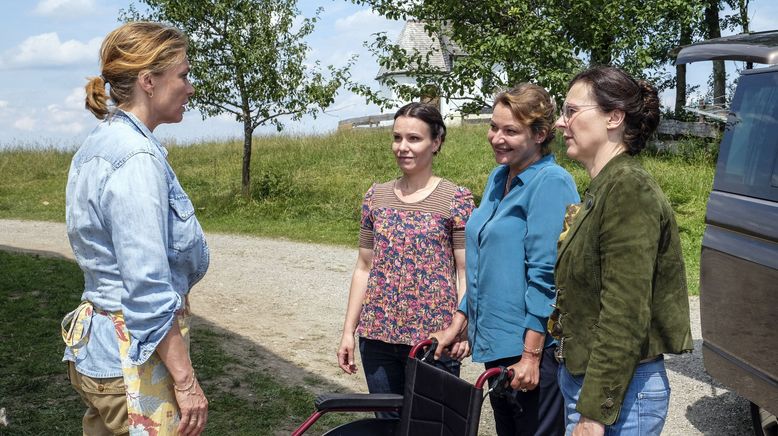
411 290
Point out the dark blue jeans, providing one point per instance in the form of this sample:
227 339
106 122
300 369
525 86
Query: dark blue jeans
384 366
536 412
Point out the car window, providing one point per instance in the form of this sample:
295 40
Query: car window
748 163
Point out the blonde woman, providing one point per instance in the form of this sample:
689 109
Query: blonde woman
134 234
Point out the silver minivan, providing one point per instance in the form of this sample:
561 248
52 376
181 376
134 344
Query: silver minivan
739 262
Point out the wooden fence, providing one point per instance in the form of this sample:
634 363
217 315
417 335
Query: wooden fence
369 121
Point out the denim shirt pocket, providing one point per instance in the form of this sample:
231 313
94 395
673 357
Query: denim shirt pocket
182 228
188 250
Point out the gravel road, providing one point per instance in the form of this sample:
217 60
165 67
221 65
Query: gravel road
285 301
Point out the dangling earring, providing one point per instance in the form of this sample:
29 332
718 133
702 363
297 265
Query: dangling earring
151 94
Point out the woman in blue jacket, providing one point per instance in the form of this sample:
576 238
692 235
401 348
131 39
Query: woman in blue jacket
134 234
511 242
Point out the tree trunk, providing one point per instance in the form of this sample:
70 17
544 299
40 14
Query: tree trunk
743 10
247 137
744 21
601 54
680 74
719 70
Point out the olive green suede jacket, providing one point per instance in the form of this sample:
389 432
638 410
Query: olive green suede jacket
621 285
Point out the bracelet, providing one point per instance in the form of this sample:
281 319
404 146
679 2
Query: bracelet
535 351
189 388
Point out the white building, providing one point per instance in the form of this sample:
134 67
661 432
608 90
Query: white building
443 54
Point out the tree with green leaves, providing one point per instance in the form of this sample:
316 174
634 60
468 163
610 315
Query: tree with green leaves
248 59
502 43
546 42
711 28
636 35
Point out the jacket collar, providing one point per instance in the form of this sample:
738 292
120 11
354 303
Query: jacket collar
131 119
616 162
590 196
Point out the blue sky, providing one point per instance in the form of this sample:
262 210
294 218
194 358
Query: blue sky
49 47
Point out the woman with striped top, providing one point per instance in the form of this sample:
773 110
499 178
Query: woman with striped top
410 273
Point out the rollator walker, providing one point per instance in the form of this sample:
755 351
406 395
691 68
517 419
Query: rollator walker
435 402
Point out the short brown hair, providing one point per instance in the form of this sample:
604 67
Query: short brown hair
128 50
532 106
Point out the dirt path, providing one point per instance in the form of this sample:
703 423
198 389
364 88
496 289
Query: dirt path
287 299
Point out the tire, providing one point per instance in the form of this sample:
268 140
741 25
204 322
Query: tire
765 423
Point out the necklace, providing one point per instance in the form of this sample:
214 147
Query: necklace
417 195
405 190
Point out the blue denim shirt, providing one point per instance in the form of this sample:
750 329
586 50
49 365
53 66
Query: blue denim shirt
511 245
134 234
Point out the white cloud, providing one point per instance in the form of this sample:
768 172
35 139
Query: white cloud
3 104
75 100
25 123
65 120
64 7
46 50
69 118
363 22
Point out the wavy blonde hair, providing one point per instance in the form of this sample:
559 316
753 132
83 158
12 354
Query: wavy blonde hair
532 106
126 52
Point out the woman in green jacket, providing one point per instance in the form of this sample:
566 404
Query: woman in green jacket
621 288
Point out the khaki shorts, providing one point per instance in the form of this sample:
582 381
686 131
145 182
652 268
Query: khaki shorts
106 402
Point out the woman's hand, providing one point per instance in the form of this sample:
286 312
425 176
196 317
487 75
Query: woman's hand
346 354
190 397
453 339
460 348
588 427
194 409
356 295
451 342
526 373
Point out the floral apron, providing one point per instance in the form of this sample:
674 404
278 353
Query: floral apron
151 403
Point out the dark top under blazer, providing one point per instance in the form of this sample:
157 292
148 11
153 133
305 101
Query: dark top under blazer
621 285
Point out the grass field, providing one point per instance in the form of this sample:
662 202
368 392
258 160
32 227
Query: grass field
309 188
34 389
304 188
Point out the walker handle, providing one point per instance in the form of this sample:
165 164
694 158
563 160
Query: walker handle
503 381
429 353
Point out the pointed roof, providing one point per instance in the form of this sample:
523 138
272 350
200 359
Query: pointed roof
414 38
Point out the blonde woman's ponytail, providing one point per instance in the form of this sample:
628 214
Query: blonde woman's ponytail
96 97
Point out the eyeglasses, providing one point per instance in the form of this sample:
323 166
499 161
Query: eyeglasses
568 112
